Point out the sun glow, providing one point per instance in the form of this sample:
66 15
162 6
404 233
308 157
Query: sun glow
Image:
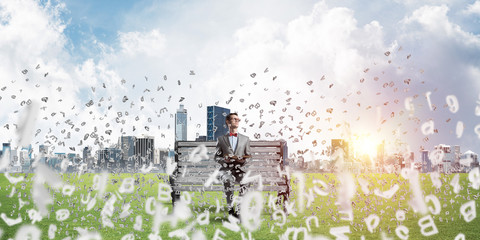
365 145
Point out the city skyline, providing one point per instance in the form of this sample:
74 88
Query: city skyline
215 118
145 157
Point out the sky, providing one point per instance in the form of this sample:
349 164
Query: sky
83 73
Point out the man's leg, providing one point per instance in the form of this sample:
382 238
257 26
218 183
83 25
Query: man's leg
238 179
228 184
238 175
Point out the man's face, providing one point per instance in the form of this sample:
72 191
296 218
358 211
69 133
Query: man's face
234 121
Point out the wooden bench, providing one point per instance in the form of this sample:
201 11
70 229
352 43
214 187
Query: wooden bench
267 158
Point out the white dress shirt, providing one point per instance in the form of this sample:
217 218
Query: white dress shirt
233 142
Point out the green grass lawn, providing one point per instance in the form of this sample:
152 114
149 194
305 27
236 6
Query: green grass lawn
449 221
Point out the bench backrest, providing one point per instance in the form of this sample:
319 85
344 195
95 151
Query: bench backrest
267 156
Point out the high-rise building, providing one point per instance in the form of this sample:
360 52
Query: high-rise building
87 152
410 161
87 157
7 151
161 155
71 157
55 162
471 156
144 151
24 157
338 144
216 125
43 149
448 158
29 150
381 153
458 154
426 163
109 158
127 145
14 155
181 124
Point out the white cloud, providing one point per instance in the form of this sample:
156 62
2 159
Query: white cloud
448 54
434 21
33 40
327 41
149 43
29 31
31 37
473 71
473 8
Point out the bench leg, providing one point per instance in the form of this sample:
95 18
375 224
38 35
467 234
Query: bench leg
285 196
175 194
282 197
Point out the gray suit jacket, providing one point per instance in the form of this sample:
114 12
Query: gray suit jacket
224 148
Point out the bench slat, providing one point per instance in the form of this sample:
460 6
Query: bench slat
201 180
209 173
256 162
182 144
214 164
212 151
254 169
188 177
185 158
193 188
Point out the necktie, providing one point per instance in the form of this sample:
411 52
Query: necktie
233 134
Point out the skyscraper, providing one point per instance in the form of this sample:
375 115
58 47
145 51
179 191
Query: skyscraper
410 161
7 152
471 156
25 157
87 151
87 156
160 161
426 163
43 149
456 150
144 151
448 158
109 158
29 150
381 153
181 124
127 146
341 144
216 125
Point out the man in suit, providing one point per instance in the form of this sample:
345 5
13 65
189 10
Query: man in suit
232 152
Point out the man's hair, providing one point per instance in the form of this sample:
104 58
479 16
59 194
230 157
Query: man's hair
229 116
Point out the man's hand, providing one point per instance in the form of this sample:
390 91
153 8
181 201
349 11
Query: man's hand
228 159
236 159
242 160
